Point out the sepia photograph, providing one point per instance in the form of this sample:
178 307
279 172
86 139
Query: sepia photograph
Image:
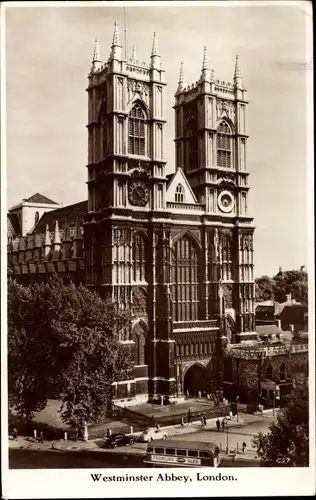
157 247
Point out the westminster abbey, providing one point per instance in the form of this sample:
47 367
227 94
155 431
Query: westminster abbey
177 250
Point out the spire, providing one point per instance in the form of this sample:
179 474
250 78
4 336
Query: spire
155 56
133 59
237 74
181 78
205 73
116 46
96 60
155 50
57 240
116 37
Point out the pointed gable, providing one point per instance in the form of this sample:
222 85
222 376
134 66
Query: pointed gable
178 185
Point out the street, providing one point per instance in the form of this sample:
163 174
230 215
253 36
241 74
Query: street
50 459
235 435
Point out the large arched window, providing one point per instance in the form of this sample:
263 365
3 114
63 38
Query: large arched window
185 298
179 194
137 131
139 257
227 257
224 146
192 144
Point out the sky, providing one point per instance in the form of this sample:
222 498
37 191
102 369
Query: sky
48 57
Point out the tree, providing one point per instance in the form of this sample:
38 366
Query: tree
292 282
63 338
287 443
264 288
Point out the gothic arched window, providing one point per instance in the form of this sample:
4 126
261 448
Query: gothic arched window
139 257
137 131
224 145
185 296
179 194
269 372
282 371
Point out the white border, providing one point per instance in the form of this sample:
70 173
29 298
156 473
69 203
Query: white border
77 483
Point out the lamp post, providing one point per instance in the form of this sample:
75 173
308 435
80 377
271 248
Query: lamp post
237 399
226 425
276 395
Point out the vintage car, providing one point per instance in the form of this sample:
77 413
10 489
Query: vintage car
152 433
119 439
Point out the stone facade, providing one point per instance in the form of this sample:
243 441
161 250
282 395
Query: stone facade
176 250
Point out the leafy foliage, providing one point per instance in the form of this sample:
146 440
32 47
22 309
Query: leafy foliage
287 443
64 339
264 288
293 282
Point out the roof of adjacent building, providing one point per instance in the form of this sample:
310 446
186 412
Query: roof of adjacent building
293 314
40 198
13 223
65 215
268 329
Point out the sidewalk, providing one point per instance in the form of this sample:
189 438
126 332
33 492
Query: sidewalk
137 448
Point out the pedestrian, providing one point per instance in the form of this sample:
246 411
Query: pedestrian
182 422
77 433
189 417
208 397
199 394
204 419
218 424
234 455
223 425
188 394
15 433
41 437
244 447
158 427
108 432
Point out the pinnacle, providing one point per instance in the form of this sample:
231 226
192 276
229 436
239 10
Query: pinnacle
181 78
57 233
47 240
155 50
205 60
96 52
237 68
133 60
116 37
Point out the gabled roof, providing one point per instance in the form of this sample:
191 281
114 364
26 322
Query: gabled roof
65 215
179 178
293 315
13 224
40 198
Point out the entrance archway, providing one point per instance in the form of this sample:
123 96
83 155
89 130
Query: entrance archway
195 380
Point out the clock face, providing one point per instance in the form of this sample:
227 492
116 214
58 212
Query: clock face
138 194
226 201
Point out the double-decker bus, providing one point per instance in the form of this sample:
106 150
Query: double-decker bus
169 453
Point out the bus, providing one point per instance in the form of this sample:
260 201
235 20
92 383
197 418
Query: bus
169 453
